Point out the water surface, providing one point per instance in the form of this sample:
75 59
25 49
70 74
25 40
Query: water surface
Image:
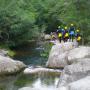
30 55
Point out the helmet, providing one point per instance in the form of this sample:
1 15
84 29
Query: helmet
59 27
78 30
72 24
65 28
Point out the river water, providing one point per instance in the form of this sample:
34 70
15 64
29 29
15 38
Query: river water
30 55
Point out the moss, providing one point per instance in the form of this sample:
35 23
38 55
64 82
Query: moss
47 47
2 87
25 79
11 53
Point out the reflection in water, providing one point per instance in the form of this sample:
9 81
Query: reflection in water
37 82
41 81
7 83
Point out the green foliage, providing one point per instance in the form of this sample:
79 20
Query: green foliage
47 47
23 20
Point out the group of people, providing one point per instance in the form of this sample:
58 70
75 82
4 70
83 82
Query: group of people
66 34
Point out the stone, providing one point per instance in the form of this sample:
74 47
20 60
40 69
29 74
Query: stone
10 66
82 84
77 53
40 70
59 55
47 37
74 72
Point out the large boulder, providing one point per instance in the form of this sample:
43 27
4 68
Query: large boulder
10 66
47 37
77 53
82 84
75 72
3 52
59 55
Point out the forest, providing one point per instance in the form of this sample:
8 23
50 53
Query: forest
23 20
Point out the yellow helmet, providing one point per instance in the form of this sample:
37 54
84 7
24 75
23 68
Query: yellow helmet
72 24
78 30
59 27
65 28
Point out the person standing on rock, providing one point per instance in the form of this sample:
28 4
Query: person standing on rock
77 35
59 33
72 32
66 34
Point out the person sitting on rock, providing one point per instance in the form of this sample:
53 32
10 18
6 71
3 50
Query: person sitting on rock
66 34
71 32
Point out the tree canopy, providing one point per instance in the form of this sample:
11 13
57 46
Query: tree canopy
22 20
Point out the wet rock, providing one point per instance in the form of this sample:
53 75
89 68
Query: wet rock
40 70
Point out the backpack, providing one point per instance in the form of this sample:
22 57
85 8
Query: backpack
66 35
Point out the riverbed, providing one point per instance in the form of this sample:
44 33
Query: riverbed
30 55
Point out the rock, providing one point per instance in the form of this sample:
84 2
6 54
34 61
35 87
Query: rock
9 66
82 84
75 72
59 55
78 53
40 70
47 37
42 88
58 61
3 52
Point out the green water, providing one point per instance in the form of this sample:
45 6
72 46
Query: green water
30 55
43 81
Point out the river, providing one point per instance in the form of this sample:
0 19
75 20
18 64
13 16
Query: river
30 55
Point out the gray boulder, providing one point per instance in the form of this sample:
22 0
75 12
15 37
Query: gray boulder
41 70
47 37
75 72
59 55
10 66
82 84
3 52
77 53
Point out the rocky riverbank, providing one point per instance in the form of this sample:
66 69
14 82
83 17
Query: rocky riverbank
76 64
8 65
